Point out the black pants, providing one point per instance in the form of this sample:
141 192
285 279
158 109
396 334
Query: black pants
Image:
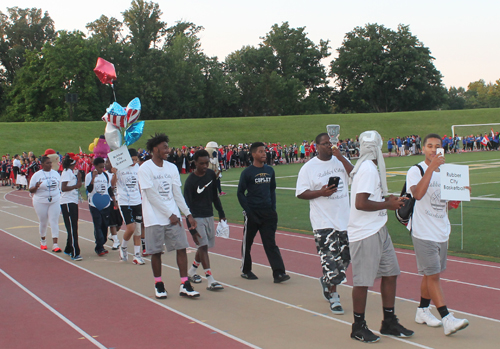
101 222
70 216
266 222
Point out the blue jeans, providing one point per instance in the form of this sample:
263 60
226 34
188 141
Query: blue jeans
101 223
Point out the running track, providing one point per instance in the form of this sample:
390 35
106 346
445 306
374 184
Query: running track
470 286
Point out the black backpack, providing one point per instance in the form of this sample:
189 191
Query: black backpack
404 213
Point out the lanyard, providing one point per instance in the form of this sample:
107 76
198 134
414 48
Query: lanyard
48 185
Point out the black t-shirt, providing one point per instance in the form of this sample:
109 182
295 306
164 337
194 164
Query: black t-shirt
200 193
260 185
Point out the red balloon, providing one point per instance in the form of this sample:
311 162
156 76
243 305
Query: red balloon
105 71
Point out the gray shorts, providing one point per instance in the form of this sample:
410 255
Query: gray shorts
205 227
372 258
431 256
173 236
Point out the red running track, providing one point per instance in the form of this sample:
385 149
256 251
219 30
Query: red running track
469 285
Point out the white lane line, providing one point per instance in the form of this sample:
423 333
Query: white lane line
55 312
137 294
304 275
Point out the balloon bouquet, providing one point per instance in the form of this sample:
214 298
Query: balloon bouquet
117 118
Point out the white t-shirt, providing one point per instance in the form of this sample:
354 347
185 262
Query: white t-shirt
49 187
363 224
69 197
430 216
161 179
16 163
101 185
127 186
325 212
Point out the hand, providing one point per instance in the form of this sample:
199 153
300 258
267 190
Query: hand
174 220
113 170
222 219
394 202
94 175
470 189
192 222
196 237
437 161
336 152
38 184
327 190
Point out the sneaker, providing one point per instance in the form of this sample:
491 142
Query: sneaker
102 253
195 279
105 251
138 260
335 305
362 333
123 254
325 289
160 291
222 193
215 286
67 253
77 258
452 325
392 327
144 254
187 290
56 248
249 276
281 278
43 244
116 244
424 316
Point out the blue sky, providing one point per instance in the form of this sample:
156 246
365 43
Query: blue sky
462 35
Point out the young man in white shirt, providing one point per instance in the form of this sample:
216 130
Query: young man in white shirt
372 253
130 205
430 231
329 213
162 198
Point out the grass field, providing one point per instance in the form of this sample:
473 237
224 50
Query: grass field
481 217
69 136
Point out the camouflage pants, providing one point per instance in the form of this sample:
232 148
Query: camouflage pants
333 249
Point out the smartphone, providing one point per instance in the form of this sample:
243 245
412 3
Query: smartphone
440 151
333 181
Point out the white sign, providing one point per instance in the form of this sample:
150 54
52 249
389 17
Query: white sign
454 179
120 158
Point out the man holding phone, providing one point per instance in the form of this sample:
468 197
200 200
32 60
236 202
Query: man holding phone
430 231
323 181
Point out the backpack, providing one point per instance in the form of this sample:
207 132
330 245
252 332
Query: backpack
404 213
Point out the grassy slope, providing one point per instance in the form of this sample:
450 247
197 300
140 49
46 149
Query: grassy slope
68 136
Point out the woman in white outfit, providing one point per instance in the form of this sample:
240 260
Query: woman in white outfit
44 186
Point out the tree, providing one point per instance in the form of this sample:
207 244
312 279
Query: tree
455 98
107 29
143 21
21 30
381 70
64 66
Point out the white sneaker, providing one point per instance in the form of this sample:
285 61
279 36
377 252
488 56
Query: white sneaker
116 244
424 316
138 260
160 291
452 325
123 254
187 290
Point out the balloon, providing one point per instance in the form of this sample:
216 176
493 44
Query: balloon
116 115
113 136
134 132
101 149
133 110
91 147
100 201
95 141
105 71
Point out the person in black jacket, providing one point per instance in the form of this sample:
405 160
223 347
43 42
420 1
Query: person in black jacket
259 205
200 193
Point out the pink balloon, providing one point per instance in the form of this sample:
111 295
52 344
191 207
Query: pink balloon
105 71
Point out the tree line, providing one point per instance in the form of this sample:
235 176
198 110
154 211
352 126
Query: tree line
377 70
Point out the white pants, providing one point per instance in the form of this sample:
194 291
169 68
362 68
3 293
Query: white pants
48 214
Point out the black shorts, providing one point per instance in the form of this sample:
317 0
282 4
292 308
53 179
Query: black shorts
115 218
3 175
302 155
131 214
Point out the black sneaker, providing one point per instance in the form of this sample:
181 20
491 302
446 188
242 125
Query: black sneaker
392 327
249 276
186 290
362 333
325 289
160 291
281 278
